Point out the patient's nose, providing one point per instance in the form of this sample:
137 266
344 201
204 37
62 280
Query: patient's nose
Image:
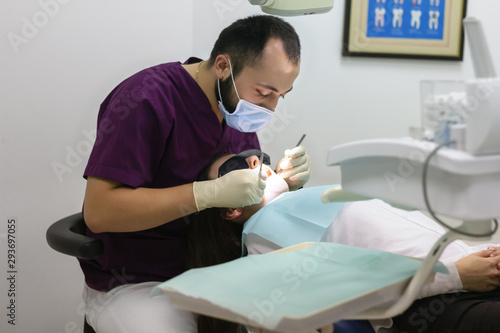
253 162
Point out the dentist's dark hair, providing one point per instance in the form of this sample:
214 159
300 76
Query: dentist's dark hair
244 41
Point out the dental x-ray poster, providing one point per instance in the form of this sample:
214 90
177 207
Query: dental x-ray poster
427 29
422 19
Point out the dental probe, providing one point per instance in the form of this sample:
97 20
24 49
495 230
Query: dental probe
301 139
298 144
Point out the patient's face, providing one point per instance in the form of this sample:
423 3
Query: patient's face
275 185
252 162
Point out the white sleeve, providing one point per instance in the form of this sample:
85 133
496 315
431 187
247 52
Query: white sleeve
482 247
443 283
447 283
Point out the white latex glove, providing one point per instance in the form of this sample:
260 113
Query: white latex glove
295 167
235 189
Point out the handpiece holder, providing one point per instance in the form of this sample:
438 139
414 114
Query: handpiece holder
460 185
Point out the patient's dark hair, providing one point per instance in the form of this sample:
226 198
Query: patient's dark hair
212 240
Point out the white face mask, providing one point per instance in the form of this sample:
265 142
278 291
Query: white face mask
275 185
247 117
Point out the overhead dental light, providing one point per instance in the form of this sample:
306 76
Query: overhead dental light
294 7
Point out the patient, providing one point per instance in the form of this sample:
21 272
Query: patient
371 224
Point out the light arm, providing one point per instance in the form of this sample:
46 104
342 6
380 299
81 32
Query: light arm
294 8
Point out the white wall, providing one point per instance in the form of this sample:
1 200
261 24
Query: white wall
339 99
50 90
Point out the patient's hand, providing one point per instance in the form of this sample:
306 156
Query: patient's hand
480 271
496 252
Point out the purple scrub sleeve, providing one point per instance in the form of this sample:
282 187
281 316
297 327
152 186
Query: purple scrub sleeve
156 130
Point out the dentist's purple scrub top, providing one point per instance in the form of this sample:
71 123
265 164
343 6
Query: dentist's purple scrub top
156 129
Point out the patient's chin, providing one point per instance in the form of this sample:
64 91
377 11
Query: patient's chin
248 212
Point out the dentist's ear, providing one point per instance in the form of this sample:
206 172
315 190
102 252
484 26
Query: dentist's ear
232 213
221 66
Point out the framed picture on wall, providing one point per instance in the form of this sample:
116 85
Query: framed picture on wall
425 29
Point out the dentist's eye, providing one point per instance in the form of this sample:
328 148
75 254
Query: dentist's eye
261 94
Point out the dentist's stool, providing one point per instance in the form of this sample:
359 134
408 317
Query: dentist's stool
68 236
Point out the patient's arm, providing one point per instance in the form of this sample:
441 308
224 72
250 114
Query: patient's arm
479 271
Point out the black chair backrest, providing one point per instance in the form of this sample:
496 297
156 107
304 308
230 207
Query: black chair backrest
68 236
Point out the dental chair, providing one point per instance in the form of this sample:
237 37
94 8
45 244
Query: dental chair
459 185
68 236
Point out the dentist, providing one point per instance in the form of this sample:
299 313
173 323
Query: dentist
156 131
